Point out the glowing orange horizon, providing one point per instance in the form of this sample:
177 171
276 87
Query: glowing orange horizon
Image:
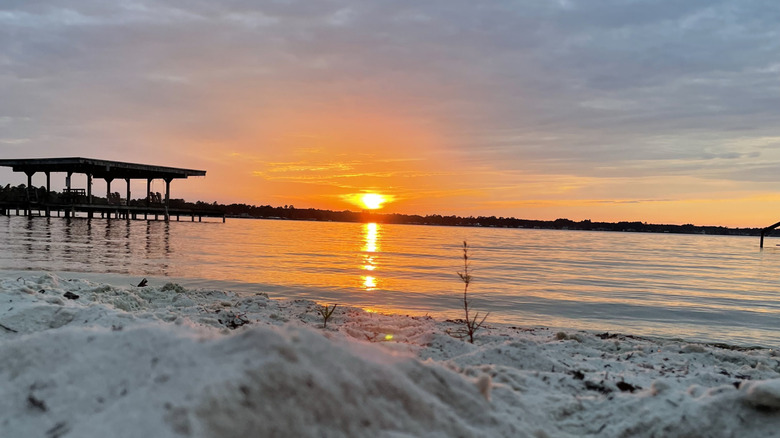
323 161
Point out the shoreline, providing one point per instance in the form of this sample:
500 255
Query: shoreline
167 361
328 296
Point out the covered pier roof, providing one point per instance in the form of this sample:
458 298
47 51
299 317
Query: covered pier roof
99 168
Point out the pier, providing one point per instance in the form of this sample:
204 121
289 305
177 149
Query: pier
81 200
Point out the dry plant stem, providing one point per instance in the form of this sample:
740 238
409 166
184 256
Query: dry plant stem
9 329
326 312
471 324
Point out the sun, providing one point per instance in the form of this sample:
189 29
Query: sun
372 201
368 200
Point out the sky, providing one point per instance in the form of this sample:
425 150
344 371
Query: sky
661 111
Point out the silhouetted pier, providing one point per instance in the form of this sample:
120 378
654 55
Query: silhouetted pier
74 200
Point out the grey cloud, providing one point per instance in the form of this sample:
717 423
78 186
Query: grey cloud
600 80
755 173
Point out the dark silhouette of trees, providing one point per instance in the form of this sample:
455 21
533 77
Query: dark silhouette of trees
21 193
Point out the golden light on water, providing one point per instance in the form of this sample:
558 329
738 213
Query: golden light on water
369 282
370 234
370 248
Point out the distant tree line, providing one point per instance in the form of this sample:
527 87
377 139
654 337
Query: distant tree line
292 213
289 212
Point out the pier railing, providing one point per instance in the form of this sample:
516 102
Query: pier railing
70 206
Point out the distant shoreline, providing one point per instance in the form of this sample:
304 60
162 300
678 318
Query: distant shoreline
289 212
493 222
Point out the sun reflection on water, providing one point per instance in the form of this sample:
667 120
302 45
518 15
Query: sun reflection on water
370 234
369 282
370 248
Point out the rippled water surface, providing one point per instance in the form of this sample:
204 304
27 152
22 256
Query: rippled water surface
706 288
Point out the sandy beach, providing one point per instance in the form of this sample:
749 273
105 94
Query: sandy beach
84 359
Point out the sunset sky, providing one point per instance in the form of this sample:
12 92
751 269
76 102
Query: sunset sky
662 111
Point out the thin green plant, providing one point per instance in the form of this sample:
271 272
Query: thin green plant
471 322
326 311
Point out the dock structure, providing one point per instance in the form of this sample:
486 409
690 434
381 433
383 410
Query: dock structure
81 200
767 231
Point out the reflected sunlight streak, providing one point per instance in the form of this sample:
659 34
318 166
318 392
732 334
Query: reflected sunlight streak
369 282
370 247
370 236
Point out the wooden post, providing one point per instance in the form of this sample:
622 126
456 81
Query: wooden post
167 198
766 231
108 189
127 200
89 188
28 207
90 213
48 193
148 191
167 191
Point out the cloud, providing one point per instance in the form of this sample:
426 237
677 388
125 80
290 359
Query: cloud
593 89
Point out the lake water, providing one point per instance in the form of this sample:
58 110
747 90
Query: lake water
700 288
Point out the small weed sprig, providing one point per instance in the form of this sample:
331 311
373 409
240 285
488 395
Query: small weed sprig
471 323
326 311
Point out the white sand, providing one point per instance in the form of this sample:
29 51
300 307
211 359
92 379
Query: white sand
160 362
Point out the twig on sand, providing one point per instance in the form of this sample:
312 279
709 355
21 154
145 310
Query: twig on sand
471 323
8 328
326 311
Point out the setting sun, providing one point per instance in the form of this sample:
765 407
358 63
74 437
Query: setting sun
368 201
372 201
